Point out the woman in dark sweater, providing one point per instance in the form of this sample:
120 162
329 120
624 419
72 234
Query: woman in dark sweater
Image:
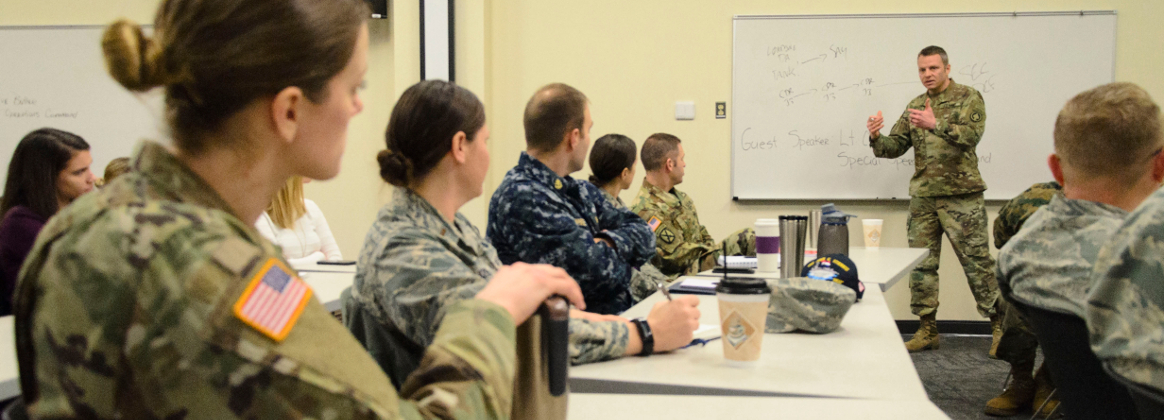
49 169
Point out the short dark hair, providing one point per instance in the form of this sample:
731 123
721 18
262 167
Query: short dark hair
1109 131
37 162
609 156
421 129
935 50
556 109
657 149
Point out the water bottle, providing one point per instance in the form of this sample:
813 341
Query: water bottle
833 237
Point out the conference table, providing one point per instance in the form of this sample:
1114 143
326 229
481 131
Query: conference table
860 368
328 282
618 406
879 266
864 358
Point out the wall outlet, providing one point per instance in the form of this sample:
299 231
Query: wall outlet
685 110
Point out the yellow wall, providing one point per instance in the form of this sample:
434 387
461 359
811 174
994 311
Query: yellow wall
634 59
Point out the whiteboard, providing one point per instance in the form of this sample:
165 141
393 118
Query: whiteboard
54 76
803 87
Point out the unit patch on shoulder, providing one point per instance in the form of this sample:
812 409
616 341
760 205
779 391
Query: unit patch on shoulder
976 116
273 300
667 236
654 223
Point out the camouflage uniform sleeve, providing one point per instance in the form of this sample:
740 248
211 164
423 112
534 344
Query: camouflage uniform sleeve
897 142
675 255
965 126
171 347
1007 224
468 372
632 238
1125 307
415 279
592 342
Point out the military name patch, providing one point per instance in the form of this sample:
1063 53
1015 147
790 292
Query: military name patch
667 236
976 116
273 300
654 223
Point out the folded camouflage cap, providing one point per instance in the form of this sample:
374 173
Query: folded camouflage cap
801 303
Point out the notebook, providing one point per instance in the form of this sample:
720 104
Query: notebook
734 261
695 286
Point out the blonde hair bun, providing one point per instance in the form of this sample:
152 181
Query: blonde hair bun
130 56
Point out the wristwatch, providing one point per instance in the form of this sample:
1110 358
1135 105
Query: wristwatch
645 336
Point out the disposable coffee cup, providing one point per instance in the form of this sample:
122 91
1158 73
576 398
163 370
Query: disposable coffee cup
743 311
767 245
872 232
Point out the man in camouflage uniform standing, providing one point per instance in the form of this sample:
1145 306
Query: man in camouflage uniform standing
1018 344
1107 157
943 126
683 245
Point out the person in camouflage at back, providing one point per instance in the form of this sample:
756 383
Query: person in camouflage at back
943 126
155 298
683 245
1107 157
612 169
1018 344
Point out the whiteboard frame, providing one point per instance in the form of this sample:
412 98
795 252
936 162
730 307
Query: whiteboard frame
102 158
731 138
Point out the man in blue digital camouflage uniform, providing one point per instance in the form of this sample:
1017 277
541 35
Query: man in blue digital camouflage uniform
539 214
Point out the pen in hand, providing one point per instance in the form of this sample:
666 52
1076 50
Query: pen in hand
663 289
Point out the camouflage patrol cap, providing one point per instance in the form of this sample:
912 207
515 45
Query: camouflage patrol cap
801 303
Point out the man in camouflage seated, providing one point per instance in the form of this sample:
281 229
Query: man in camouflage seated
1018 344
682 244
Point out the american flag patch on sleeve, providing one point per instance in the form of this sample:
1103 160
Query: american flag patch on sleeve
273 301
654 223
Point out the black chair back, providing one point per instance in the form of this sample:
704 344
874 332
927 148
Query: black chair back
1085 390
1149 402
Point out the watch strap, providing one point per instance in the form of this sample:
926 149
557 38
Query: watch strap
645 336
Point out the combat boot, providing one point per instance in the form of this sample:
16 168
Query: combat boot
996 334
926 337
1017 396
1043 389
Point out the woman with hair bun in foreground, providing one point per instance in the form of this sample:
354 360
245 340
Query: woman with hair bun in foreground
156 297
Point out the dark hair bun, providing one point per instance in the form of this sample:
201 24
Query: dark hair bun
395 169
131 57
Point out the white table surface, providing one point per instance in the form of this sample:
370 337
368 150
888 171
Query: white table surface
672 407
312 266
9 371
328 285
864 358
880 266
